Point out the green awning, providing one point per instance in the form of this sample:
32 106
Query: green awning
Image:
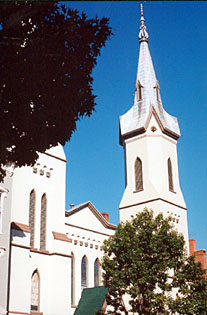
92 299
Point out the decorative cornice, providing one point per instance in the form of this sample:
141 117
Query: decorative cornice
55 157
61 237
44 252
152 200
143 129
21 227
25 313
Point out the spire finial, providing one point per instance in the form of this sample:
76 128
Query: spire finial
141 9
143 35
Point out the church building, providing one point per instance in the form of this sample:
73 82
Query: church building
49 254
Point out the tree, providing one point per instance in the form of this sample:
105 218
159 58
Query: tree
146 260
191 282
47 54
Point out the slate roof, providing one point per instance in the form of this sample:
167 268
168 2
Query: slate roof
135 120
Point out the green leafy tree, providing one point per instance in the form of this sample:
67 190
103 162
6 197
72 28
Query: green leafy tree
146 260
190 280
47 54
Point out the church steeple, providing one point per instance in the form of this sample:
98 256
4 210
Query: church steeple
147 96
149 138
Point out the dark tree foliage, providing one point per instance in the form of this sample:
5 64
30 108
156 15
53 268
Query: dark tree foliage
146 260
47 54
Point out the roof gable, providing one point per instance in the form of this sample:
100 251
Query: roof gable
92 216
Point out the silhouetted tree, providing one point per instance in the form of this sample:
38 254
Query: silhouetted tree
47 54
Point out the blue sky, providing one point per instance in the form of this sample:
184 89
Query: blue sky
178 45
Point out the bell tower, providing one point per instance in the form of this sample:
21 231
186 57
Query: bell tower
149 137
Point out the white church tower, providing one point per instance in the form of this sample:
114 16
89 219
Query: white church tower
149 137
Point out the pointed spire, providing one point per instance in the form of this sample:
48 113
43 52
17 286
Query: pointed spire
147 95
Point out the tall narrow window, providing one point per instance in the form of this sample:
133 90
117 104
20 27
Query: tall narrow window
96 273
35 291
139 90
157 87
138 175
43 222
170 176
72 279
83 273
32 202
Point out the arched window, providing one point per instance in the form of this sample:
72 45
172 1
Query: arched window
72 279
96 273
35 291
32 205
170 176
84 273
138 175
43 222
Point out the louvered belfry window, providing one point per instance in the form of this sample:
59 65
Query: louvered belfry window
138 175
43 222
32 205
170 177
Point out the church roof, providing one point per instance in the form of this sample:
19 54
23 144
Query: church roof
92 300
146 97
93 209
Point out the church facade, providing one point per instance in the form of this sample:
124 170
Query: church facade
49 255
54 254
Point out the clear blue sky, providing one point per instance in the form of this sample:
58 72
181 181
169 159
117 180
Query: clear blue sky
178 45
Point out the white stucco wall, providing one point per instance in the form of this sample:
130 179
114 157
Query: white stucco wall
154 149
83 234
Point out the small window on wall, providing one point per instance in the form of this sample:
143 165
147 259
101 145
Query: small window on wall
170 175
84 273
35 291
32 202
96 273
138 175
